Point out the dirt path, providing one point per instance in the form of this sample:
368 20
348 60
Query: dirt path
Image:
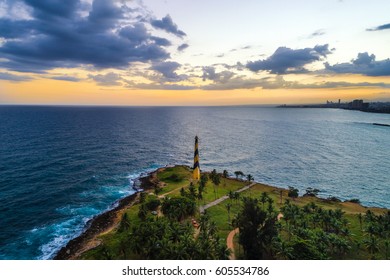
230 244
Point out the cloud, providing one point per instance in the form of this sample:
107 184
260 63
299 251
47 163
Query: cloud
167 24
109 79
65 78
209 73
11 29
14 78
103 34
279 82
182 47
380 27
364 64
167 69
159 86
285 60
317 33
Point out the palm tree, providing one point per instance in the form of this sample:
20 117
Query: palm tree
231 195
372 245
228 207
225 174
283 250
238 173
125 223
387 246
249 177
216 179
236 196
264 198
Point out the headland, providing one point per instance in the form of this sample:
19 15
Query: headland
126 232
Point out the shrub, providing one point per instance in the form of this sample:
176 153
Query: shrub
353 200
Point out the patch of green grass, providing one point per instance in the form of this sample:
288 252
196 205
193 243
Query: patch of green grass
213 192
174 178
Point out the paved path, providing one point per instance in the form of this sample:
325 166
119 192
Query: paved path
219 200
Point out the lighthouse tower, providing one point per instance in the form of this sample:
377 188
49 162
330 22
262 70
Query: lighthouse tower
196 174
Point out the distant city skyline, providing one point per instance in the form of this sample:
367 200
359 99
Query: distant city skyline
182 52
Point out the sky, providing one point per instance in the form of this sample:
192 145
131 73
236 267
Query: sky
185 52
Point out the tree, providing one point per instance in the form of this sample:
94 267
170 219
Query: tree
142 197
225 174
249 178
311 192
143 211
192 191
216 179
177 208
228 207
264 198
236 196
153 203
238 173
203 180
372 245
293 192
257 230
125 223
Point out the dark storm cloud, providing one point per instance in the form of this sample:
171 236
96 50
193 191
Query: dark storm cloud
380 27
11 29
364 64
72 34
53 8
167 24
285 60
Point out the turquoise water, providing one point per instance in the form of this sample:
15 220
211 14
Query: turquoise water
60 166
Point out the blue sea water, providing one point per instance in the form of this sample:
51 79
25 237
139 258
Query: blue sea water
60 166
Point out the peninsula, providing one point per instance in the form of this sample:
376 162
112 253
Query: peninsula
176 217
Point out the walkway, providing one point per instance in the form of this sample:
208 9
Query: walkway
223 198
230 244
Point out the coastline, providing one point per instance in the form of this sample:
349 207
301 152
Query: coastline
104 222
109 220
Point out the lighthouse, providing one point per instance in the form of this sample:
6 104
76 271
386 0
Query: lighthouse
196 174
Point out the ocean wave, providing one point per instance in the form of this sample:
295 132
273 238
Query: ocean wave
60 233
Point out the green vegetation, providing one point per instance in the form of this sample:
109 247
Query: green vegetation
258 229
168 225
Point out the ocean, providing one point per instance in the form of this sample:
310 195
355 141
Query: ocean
60 166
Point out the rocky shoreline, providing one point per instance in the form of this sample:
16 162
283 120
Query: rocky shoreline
105 221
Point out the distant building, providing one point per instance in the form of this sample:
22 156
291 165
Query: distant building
358 104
